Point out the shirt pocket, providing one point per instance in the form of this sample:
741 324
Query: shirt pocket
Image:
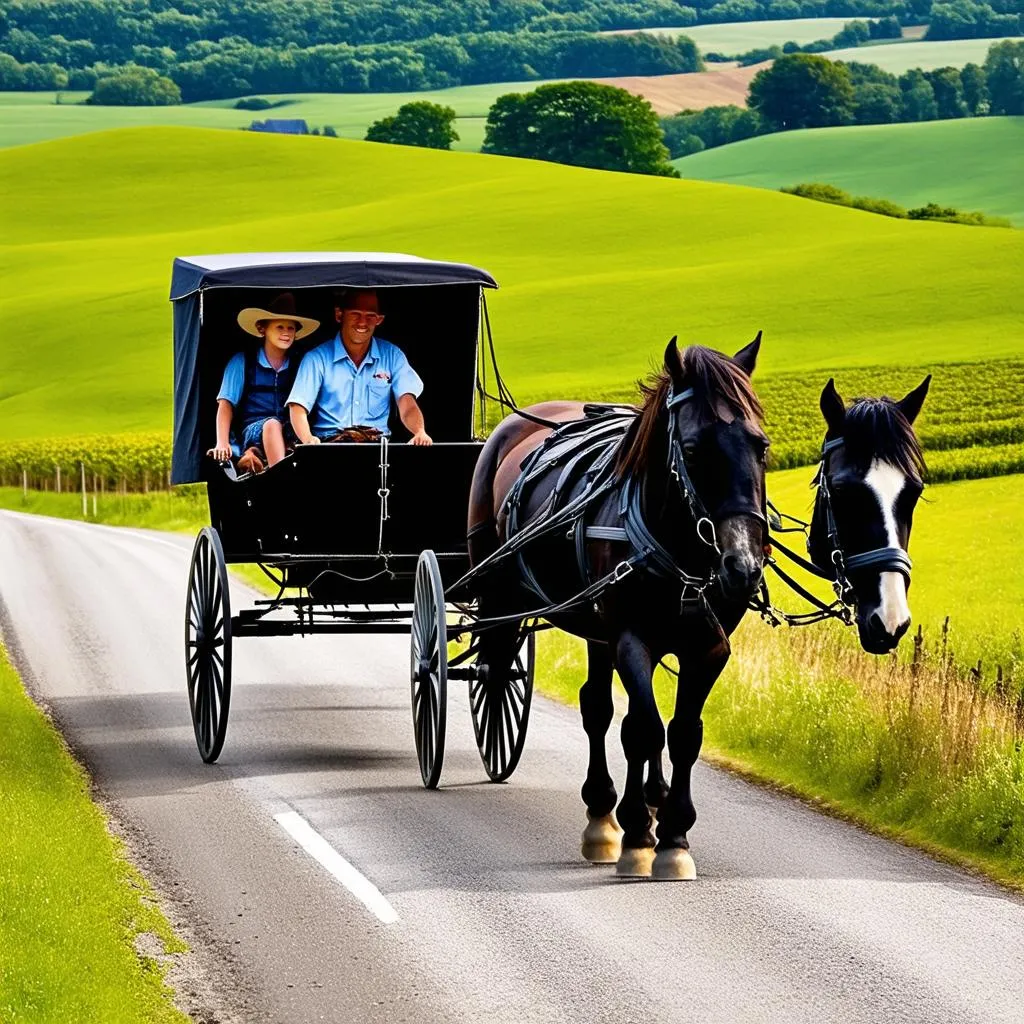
378 399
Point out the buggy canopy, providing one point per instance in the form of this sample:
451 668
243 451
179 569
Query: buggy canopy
432 309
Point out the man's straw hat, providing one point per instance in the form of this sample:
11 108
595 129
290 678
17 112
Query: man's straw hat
282 308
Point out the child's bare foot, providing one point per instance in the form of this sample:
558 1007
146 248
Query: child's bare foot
250 462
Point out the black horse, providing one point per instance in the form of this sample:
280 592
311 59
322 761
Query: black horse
870 478
671 544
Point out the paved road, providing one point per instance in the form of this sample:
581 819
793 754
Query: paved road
796 917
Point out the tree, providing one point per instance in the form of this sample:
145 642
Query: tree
417 124
875 103
1004 74
918 97
803 90
583 123
949 92
972 78
135 87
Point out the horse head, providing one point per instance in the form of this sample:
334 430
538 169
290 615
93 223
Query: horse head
717 453
869 481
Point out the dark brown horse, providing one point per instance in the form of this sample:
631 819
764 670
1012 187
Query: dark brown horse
680 527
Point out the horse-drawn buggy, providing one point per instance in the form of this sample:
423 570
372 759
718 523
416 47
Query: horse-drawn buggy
339 528
645 530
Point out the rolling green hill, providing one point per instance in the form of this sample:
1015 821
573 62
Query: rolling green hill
973 163
904 56
598 269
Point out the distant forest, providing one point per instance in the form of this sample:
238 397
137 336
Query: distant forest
215 49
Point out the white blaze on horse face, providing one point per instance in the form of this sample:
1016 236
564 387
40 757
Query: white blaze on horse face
887 482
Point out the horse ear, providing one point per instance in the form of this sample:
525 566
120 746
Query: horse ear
746 358
673 362
910 406
832 407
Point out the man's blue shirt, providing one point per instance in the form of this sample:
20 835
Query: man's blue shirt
338 394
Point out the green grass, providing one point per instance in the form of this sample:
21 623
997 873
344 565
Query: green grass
972 164
181 509
598 269
27 117
70 904
737 37
897 59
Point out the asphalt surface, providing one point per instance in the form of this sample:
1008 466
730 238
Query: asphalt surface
795 917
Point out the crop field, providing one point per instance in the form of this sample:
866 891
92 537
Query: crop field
925 55
972 163
598 270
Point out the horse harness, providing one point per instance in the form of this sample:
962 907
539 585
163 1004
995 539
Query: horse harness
586 450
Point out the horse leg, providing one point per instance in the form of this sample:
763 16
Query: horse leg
643 737
673 861
602 838
656 788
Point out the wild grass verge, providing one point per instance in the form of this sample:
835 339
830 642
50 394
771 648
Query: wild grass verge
71 906
914 749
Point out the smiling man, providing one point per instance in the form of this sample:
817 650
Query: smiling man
349 381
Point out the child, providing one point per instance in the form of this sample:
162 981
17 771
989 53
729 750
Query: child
256 384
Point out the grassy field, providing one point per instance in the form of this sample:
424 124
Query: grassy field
925 55
27 117
734 37
972 164
98 219
71 906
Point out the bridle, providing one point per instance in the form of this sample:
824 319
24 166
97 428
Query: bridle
884 559
659 558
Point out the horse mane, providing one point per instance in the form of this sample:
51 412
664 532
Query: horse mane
875 428
714 377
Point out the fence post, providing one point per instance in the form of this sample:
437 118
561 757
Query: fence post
85 500
24 484
58 478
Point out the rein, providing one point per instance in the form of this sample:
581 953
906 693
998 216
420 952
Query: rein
885 559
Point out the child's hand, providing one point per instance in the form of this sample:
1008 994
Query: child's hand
313 440
220 454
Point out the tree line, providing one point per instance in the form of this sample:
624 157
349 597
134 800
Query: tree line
809 91
236 67
109 30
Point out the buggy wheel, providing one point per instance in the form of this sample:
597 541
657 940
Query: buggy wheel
501 711
208 644
429 668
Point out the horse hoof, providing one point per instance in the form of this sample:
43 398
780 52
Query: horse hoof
635 863
602 840
674 866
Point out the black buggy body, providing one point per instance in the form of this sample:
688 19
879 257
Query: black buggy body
343 530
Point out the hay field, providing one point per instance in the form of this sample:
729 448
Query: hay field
925 55
972 163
